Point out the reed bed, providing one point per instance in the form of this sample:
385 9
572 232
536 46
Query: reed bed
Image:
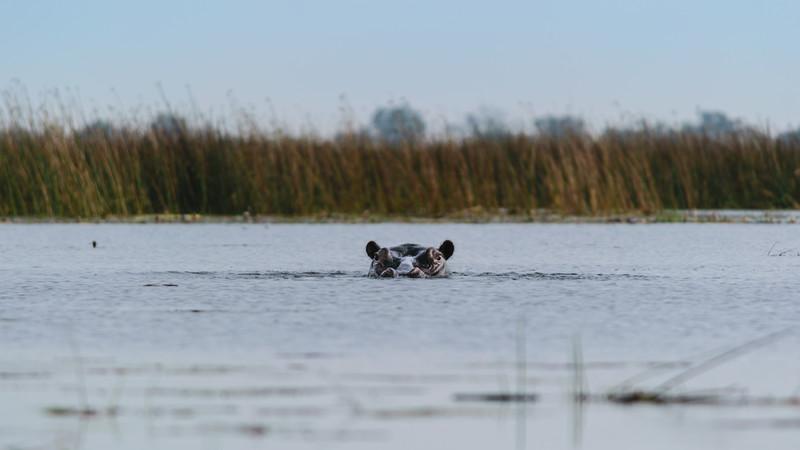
50 171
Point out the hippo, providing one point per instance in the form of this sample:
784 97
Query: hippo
409 260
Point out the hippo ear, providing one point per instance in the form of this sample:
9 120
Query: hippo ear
372 248
447 248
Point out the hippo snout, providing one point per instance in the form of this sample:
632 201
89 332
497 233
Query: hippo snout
406 265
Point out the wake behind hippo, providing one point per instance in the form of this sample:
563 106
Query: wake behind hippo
409 260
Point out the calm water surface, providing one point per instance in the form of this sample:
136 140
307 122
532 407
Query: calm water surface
250 336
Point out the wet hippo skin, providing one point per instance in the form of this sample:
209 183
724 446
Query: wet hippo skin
409 260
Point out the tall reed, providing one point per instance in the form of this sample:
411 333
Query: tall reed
51 171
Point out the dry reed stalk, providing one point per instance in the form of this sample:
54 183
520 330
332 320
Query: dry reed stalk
46 170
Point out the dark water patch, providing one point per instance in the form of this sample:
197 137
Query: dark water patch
209 369
196 311
277 391
190 272
181 370
10 375
258 430
728 397
781 423
185 412
569 366
308 434
84 412
288 411
432 378
658 398
552 276
339 274
160 285
266 275
383 389
424 412
253 430
496 397
288 275
309 355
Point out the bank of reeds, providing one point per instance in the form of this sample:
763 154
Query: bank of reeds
53 172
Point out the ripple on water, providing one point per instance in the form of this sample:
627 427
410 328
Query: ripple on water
303 275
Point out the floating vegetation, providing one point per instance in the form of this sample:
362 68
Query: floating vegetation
783 252
254 430
84 412
663 393
424 412
496 397
242 392
660 398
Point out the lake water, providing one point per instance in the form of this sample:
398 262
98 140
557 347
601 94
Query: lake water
261 335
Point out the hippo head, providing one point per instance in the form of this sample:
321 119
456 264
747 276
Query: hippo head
383 263
410 260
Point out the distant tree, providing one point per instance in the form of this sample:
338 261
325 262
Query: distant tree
792 136
656 128
559 126
169 124
486 123
97 128
715 124
398 123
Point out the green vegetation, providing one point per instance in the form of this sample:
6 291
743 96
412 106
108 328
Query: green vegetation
169 167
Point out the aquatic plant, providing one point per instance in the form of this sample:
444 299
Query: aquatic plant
664 393
56 169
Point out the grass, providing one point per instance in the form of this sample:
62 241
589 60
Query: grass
663 394
47 170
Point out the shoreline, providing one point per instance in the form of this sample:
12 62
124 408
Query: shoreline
669 216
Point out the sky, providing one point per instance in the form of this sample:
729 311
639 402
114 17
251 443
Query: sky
303 62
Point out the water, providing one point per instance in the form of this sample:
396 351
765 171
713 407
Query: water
242 336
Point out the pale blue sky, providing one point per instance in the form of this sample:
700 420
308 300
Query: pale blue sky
603 60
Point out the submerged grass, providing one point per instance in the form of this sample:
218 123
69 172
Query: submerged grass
49 171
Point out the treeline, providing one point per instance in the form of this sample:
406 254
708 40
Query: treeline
171 167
